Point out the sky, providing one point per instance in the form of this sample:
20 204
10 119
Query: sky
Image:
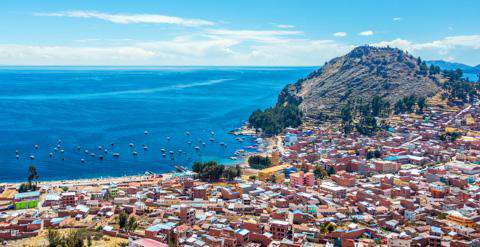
232 33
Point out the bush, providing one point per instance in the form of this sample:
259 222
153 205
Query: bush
259 162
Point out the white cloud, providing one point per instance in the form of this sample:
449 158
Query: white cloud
445 44
340 34
397 18
463 47
131 18
224 48
268 36
285 26
366 33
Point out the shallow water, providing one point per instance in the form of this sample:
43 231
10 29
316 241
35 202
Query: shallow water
97 106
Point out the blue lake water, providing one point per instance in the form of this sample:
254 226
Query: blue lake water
97 106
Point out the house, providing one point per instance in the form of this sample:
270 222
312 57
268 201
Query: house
26 200
145 242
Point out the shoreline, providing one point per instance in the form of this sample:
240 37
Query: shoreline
244 130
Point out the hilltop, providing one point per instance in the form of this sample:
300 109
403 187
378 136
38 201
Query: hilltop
359 75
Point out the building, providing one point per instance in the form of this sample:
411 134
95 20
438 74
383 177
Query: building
26 200
276 172
302 179
280 229
187 214
68 199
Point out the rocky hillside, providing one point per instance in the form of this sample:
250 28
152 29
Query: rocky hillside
357 77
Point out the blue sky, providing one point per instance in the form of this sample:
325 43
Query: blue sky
287 33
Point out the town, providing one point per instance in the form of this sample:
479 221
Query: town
416 183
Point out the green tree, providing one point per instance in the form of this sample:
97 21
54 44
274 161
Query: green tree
330 170
54 238
421 103
319 172
274 120
122 219
259 162
131 225
32 175
74 238
367 125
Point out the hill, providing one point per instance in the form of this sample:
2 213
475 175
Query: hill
358 76
367 84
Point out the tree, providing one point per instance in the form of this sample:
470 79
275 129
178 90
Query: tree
122 219
259 162
131 225
367 125
32 174
347 118
330 170
232 172
74 238
54 238
274 120
421 103
319 172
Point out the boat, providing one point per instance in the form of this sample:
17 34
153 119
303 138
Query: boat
180 169
163 150
145 147
100 157
233 158
131 145
171 152
168 138
239 139
240 152
116 155
99 147
86 151
62 151
50 154
82 160
78 148
105 151
212 133
134 153
92 154
204 144
32 157
145 132
17 156
187 133
197 148
36 146
189 142
212 139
